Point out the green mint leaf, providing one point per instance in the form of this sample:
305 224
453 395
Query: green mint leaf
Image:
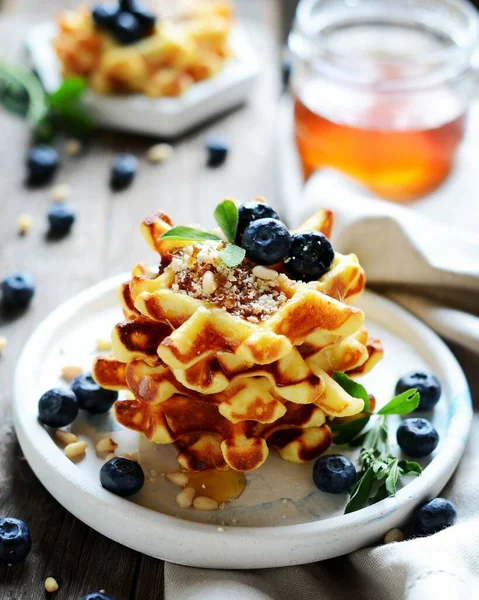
226 215
380 494
346 432
410 467
361 492
232 255
402 404
393 477
70 92
189 234
354 389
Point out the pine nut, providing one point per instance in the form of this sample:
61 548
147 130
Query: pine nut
51 584
103 344
265 273
24 223
110 456
60 192
159 153
70 372
76 449
3 342
106 444
209 283
180 479
393 535
204 503
65 437
73 147
129 457
185 498
129 395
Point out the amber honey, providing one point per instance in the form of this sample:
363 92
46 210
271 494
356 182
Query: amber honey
398 164
222 486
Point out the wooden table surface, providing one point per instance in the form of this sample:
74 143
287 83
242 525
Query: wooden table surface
106 241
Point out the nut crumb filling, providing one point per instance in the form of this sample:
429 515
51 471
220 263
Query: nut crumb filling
236 290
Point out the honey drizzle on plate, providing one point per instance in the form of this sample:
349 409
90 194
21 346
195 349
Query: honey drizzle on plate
221 486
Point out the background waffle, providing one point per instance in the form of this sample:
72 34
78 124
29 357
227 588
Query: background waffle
223 388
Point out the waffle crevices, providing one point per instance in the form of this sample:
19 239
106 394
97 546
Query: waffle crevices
226 363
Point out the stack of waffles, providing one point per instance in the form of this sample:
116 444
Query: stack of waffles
230 364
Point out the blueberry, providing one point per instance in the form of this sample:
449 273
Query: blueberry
58 407
266 241
15 541
310 257
17 291
426 384
122 477
334 474
123 171
217 152
104 15
146 19
96 596
91 397
42 162
286 70
247 213
61 217
417 437
433 516
127 28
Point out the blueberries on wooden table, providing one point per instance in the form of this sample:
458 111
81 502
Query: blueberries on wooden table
433 516
310 257
417 437
123 171
426 384
252 211
42 164
58 407
266 241
61 217
122 476
92 397
17 291
334 474
15 541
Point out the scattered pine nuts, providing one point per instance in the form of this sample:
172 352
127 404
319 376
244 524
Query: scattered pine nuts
65 437
103 344
70 372
3 343
159 153
60 192
24 223
393 535
73 147
265 273
129 457
129 395
234 521
106 444
209 283
110 456
76 450
204 503
220 529
185 498
51 584
180 479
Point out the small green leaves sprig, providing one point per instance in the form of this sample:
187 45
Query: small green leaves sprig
48 114
380 470
226 215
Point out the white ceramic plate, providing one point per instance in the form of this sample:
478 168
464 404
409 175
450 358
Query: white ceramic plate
281 519
162 116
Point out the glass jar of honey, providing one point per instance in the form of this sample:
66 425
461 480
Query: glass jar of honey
381 89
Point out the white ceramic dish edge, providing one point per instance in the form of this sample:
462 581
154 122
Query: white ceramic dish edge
202 545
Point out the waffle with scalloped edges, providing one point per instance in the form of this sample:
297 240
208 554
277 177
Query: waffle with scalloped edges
224 380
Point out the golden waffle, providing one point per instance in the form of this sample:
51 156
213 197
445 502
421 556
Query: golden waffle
224 385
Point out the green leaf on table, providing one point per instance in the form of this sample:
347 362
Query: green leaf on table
70 92
410 467
402 404
232 255
361 492
353 388
226 215
189 234
344 433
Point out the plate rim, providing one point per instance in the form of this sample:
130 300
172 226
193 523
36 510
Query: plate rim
70 486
